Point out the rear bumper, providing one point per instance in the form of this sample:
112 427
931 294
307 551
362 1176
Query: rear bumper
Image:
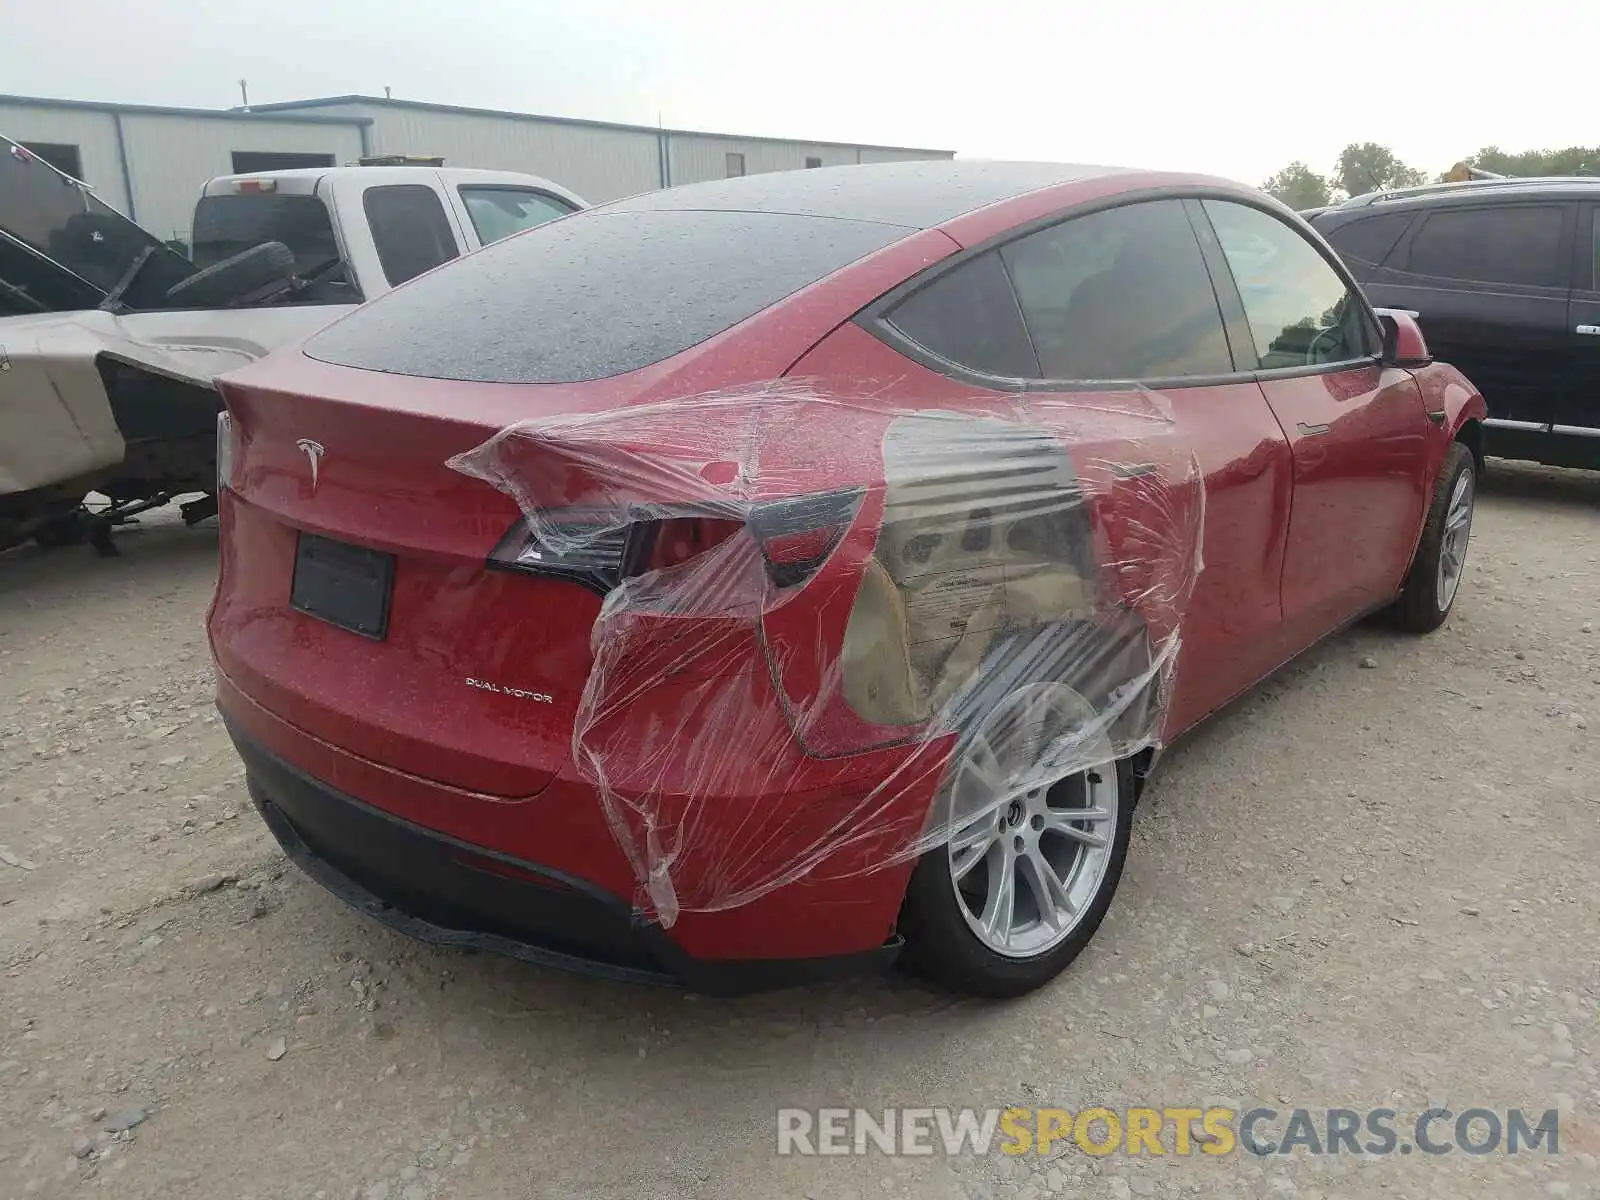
440 889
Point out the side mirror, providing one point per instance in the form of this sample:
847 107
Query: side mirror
1403 343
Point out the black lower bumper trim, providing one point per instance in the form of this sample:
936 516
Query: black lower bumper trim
438 889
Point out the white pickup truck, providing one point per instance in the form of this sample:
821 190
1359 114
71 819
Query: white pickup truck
113 340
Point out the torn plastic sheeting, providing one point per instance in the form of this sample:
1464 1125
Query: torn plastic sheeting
823 615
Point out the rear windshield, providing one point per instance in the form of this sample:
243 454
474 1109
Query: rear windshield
596 295
228 225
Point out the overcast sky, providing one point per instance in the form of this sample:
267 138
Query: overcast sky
1230 87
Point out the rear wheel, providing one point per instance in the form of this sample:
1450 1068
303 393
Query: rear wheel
1435 576
1034 857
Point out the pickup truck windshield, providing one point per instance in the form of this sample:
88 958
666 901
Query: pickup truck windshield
228 225
65 222
498 211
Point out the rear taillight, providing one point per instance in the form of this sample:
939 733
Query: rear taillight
797 535
600 549
587 548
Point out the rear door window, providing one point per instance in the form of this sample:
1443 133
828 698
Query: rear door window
498 212
1117 295
410 230
1120 294
969 316
1506 243
1298 307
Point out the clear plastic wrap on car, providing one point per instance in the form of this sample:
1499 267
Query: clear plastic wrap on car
794 578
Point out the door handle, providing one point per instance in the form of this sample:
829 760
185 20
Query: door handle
1588 330
1312 430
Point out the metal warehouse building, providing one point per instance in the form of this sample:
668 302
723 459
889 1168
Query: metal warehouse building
151 162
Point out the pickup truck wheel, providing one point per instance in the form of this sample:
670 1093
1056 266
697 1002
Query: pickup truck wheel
222 283
1435 576
1029 872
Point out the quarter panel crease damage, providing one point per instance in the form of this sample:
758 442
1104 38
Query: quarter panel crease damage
860 584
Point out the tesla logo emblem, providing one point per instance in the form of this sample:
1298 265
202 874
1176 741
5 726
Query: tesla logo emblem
313 451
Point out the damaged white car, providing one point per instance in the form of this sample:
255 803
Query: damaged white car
110 339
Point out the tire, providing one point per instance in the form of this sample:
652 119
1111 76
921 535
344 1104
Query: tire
938 919
232 278
1429 593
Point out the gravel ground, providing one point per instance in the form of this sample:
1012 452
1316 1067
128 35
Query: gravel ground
1373 882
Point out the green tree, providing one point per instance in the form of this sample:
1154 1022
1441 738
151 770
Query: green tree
1574 160
1368 167
1298 186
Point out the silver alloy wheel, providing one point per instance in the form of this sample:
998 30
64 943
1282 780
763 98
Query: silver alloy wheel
1453 543
1029 855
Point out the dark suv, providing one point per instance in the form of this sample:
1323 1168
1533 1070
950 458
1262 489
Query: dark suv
1505 277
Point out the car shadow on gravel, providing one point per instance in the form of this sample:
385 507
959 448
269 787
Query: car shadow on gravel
505 1023
873 1016
157 546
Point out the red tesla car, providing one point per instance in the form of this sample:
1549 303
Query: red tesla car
752 580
